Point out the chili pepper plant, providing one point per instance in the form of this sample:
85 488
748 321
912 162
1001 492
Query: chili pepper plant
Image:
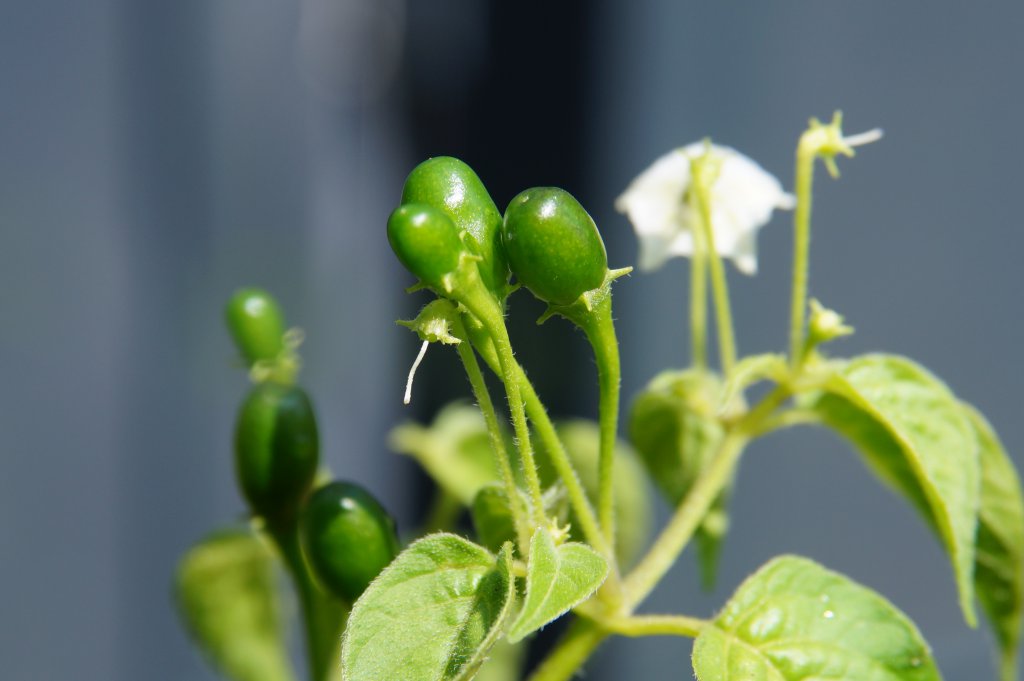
560 519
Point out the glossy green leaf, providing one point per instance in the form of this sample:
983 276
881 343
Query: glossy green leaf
455 450
630 489
999 563
558 578
432 615
914 434
793 620
674 428
226 592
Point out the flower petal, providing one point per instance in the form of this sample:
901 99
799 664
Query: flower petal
743 198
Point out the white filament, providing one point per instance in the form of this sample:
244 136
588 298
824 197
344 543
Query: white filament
412 372
863 138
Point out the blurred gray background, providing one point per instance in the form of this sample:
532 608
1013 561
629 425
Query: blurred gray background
154 156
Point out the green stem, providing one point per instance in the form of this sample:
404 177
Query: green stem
483 398
805 155
323 618
655 625
572 651
563 466
698 299
691 512
545 430
486 309
787 419
444 512
719 282
599 327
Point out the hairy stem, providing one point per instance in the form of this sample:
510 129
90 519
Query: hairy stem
599 327
487 311
805 156
545 430
655 625
719 284
698 298
483 398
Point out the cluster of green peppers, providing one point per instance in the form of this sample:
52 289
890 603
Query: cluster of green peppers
333 536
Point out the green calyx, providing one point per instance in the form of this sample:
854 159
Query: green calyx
276 449
347 537
553 246
450 186
427 242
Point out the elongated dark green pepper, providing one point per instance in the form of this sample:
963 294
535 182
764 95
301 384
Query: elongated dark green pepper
347 537
276 448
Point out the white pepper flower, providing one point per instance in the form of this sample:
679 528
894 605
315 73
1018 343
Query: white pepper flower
743 198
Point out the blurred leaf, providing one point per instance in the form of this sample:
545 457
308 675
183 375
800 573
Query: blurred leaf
793 620
492 517
226 592
674 427
455 450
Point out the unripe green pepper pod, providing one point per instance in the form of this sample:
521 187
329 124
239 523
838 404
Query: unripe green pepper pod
553 246
276 449
451 186
427 242
347 538
256 324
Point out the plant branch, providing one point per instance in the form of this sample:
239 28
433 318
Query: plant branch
571 652
655 625
483 398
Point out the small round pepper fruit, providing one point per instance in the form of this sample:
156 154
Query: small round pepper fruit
256 324
427 242
553 246
276 448
347 538
451 186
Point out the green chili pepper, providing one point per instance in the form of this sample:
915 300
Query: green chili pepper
451 186
256 324
553 245
347 537
427 242
276 448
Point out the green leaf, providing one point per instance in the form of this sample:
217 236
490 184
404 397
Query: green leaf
793 620
432 615
455 450
915 436
630 490
999 563
225 588
558 578
674 426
